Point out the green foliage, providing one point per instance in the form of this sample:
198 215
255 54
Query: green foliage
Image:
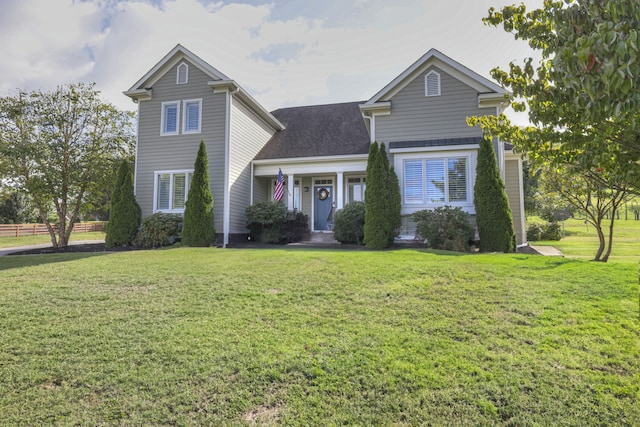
159 229
382 200
125 212
587 194
56 145
296 228
266 220
349 226
544 231
198 228
18 209
583 96
493 214
445 228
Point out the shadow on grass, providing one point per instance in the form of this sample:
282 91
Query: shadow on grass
19 261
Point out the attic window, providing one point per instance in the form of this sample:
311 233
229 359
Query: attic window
432 84
183 74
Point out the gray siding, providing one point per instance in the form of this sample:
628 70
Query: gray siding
417 117
261 190
306 201
247 137
512 185
159 153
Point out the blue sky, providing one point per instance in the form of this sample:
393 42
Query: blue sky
284 52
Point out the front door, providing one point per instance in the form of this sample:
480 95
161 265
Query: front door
323 207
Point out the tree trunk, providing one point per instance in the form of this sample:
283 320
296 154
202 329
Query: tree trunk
601 239
606 255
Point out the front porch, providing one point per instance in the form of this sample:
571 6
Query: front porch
317 188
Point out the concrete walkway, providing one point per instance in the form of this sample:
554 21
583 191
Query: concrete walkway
547 250
6 251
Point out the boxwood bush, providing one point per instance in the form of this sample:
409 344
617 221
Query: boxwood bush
445 228
349 224
159 229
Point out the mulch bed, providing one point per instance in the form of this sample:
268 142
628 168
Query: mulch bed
86 248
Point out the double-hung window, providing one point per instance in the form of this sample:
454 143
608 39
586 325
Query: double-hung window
171 190
170 115
192 112
435 181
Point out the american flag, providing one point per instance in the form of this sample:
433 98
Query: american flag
279 190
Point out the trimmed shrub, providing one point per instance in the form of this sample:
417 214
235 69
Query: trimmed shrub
547 231
445 228
394 205
296 228
376 227
125 213
349 226
493 214
159 229
198 213
266 220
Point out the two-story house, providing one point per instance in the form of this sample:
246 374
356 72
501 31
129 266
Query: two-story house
322 150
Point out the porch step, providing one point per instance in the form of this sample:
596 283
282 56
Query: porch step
322 237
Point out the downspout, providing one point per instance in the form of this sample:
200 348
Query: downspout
135 164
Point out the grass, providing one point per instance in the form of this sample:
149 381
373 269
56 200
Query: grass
9 242
317 337
581 241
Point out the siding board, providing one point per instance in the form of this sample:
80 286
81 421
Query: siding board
512 186
157 153
417 117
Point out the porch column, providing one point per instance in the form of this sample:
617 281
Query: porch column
340 191
290 184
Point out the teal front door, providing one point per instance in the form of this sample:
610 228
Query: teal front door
322 208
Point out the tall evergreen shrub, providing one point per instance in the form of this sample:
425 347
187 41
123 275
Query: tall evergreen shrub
493 214
125 213
198 228
376 228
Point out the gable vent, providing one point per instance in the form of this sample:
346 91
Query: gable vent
183 74
432 84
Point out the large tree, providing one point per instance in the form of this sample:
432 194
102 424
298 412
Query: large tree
57 144
583 96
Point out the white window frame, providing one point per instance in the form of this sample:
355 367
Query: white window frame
184 115
362 182
171 173
186 73
470 160
163 118
426 83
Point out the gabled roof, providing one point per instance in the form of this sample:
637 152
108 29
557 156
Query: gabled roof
142 89
176 55
318 130
435 58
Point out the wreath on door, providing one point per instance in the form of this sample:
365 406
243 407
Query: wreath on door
323 193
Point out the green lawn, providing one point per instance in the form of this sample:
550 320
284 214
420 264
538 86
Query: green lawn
9 242
317 337
581 241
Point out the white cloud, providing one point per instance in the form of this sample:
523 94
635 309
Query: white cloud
332 51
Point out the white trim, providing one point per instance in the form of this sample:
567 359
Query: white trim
339 191
435 58
167 62
135 164
184 115
426 84
227 154
373 130
288 160
472 159
162 118
186 73
171 174
291 182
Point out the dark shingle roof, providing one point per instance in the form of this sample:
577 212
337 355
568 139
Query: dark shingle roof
318 130
435 142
